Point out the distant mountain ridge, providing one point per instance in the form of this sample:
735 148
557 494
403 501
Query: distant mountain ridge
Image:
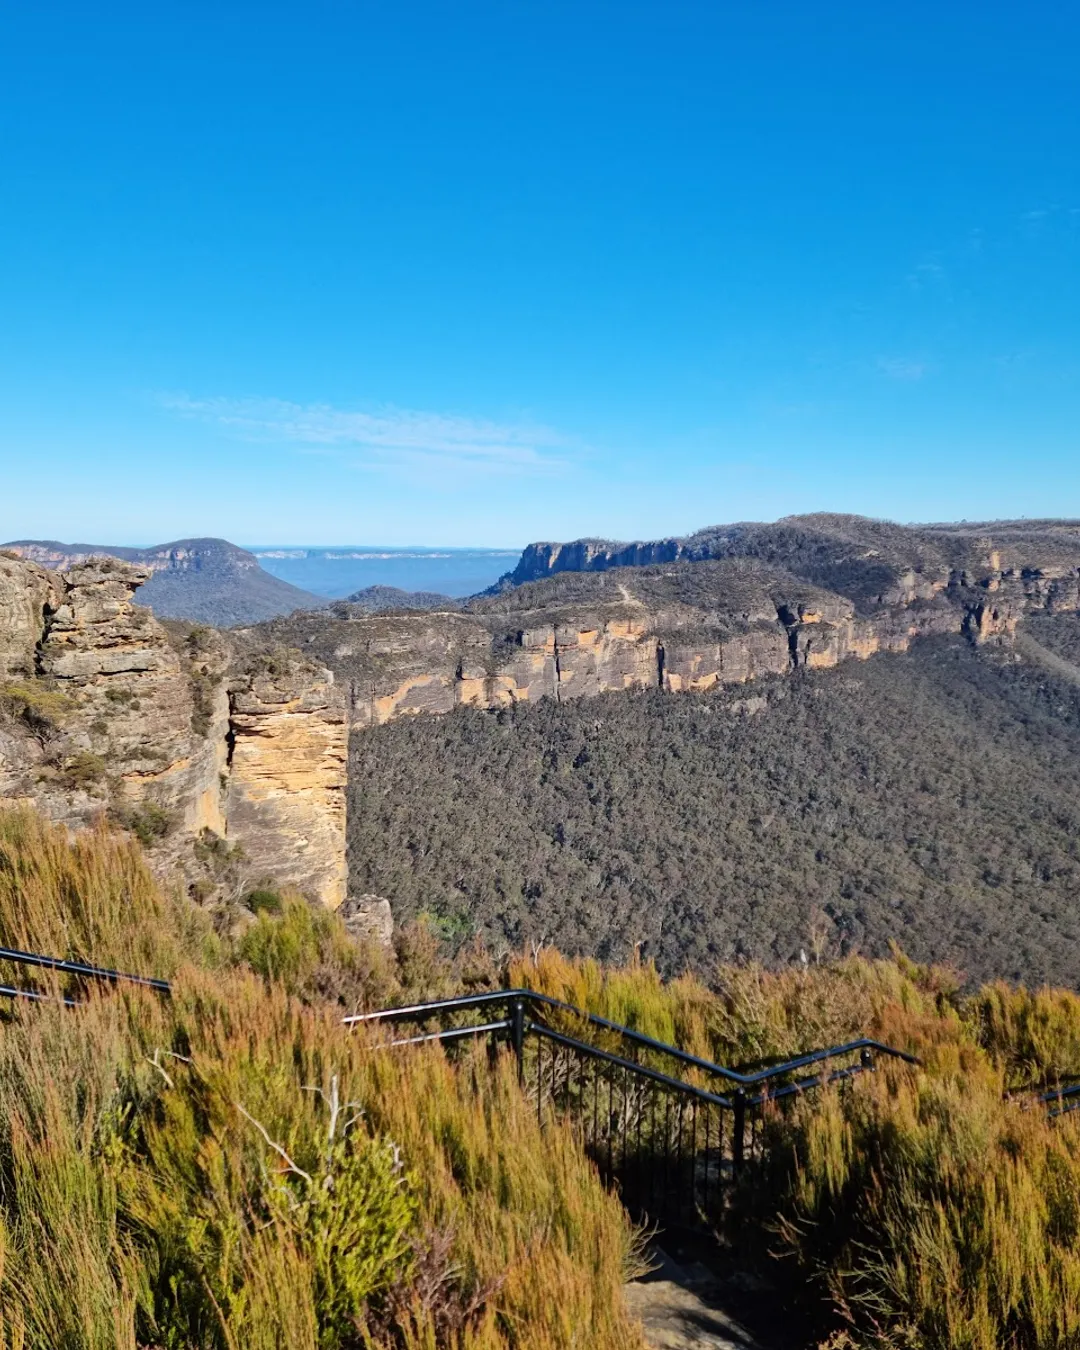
864 558
206 580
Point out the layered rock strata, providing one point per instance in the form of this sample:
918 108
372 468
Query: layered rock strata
678 627
103 710
285 796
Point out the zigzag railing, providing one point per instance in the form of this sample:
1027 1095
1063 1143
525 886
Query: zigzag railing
672 1138
672 1146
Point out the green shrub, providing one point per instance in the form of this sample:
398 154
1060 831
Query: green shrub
38 704
263 900
84 769
231 1168
149 822
92 897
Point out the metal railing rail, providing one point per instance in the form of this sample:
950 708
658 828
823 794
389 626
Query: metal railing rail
65 967
671 1146
421 1011
1061 1101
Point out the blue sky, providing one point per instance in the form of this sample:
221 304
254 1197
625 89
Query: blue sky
480 273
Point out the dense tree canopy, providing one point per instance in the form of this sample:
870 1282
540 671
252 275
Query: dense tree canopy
931 798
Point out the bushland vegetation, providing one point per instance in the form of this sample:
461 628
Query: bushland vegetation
932 798
915 1209
1058 632
231 1167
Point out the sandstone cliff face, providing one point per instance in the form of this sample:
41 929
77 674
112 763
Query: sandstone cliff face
101 711
25 591
133 708
875 563
678 626
111 712
286 778
591 555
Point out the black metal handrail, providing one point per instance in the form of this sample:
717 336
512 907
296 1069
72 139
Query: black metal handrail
1070 1096
420 1011
72 968
632 1066
681 1144
864 1045
672 1147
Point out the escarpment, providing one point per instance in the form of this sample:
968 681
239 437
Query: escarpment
185 733
105 711
676 626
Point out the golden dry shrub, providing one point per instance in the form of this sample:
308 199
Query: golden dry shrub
233 1167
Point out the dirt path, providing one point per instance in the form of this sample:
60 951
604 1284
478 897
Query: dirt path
681 1312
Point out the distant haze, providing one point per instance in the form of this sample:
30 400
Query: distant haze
337 572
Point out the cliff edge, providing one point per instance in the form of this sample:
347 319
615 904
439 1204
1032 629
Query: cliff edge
105 710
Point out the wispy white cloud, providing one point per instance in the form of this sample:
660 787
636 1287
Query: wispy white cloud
902 368
390 438
926 274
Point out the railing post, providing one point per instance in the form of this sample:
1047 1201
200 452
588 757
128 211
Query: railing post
517 1036
738 1129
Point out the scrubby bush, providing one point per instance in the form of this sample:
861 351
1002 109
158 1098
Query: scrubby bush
263 900
149 822
233 1167
38 704
84 769
935 1208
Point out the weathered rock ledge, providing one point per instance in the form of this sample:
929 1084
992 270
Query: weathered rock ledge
104 710
683 626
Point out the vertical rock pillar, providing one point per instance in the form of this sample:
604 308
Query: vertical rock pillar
286 777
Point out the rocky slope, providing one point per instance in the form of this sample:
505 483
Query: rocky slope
105 711
206 580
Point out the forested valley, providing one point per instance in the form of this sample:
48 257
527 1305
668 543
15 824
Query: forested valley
930 799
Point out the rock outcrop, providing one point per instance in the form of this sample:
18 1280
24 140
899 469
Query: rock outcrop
286 777
587 555
106 711
25 591
369 917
